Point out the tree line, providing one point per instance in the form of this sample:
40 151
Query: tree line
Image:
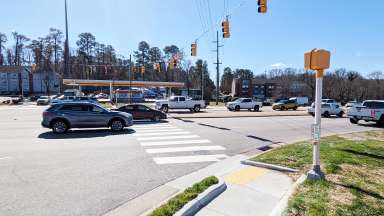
340 84
91 59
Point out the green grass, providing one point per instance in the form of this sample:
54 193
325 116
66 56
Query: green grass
177 202
354 168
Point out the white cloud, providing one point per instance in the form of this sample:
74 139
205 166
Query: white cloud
279 65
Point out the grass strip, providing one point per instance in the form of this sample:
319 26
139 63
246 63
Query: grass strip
354 168
177 202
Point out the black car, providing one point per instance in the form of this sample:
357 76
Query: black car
139 112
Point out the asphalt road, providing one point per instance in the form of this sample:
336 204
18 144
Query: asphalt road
88 172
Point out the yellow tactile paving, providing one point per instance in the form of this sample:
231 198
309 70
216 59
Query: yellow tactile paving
245 175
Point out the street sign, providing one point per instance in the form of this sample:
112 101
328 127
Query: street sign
315 132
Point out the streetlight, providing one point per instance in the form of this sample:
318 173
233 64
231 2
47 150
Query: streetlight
318 60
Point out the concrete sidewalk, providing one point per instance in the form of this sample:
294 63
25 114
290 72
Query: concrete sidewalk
250 191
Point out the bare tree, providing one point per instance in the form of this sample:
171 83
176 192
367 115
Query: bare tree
3 40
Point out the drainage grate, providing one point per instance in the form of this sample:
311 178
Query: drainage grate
264 148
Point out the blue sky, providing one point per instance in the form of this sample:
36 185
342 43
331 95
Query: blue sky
351 30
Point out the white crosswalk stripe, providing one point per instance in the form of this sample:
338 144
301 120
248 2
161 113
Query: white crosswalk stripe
179 142
165 139
184 149
189 159
160 133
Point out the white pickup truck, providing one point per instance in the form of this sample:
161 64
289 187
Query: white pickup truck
370 110
327 109
180 102
244 103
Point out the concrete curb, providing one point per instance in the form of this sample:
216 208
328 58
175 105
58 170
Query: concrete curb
268 166
193 206
283 203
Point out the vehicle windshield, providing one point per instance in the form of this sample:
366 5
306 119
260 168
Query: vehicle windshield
43 97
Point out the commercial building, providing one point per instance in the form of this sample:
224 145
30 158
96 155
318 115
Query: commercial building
19 80
253 88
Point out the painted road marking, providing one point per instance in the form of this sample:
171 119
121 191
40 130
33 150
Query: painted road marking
185 149
245 175
161 134
152 126
179 142
167 137
189 159
154 130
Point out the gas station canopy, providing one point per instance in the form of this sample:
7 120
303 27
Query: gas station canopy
127 83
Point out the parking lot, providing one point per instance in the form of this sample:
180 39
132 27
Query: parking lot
89 172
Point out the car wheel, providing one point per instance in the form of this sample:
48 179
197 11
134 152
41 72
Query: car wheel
237 108
340 115
256 108
326 114
164 109
196 108
312 114
353 120
295 108
59 126
156 118
282 108
117 125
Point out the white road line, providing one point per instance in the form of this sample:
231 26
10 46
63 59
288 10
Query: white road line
167 137
151 126
185 149
154 130
4 158
161 134
178 142
189 159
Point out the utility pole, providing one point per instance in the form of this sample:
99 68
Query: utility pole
66 45
130 78
217 63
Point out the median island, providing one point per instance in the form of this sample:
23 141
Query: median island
354 169
176 203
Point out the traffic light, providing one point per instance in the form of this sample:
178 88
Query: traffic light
142 69
193 49
33 67
156 67
225 28
262 6
174 62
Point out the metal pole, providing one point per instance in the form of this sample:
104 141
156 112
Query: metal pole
66 53
217 68
130 79
316 172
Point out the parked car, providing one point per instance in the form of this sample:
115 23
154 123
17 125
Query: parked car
139 111
180 102
327 109
244 103
352 103
285 105
43 100
63 116
301 101
370 111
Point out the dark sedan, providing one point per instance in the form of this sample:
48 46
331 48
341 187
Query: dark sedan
140 112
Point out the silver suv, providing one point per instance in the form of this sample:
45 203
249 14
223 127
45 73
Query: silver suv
60 117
